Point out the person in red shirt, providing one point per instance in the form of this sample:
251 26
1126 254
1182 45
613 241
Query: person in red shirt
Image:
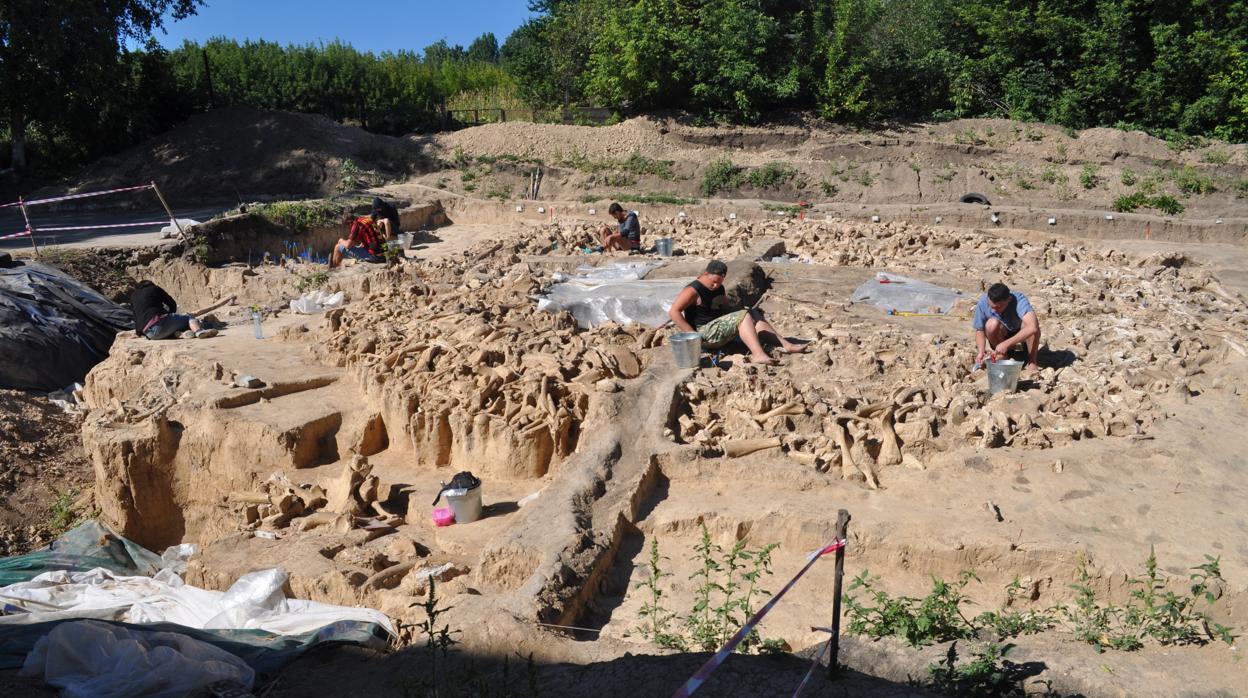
362 242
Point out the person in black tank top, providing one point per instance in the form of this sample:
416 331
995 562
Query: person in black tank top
695 310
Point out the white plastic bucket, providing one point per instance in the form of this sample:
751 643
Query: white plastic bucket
663 246
1003 375
465 503
687 349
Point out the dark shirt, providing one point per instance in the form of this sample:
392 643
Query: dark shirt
148 301
630 228
384 209
701 313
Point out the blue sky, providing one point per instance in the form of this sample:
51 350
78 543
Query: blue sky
368 25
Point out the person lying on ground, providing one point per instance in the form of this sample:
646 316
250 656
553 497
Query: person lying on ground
627 236
697 309
361 242
386 219
1006 326
156 314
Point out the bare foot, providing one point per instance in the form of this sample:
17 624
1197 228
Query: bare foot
764 360
795 348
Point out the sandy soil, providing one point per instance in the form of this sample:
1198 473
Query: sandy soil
1125 441
41 461
593 445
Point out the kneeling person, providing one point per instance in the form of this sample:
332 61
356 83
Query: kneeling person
696 310
1005 324
156 314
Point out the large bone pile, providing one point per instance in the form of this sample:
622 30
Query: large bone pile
480 369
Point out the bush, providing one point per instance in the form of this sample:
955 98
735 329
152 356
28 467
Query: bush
1189 180
1129 202
1088 176
1166 204
771 175
720 175
1128 177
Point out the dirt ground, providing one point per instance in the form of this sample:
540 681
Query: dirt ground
594 447
41 463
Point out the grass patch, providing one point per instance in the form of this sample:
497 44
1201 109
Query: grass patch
720 175
635 164
1190 181
1216 156
865 179
1241 188
1163 202
650 198
771 175
787 209
829 189
1089 176
500 192
1050 175
312 281
61 514
299 216
1128 177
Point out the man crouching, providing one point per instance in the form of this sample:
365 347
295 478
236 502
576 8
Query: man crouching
1006 326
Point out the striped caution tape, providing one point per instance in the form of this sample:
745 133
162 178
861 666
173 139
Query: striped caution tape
695 682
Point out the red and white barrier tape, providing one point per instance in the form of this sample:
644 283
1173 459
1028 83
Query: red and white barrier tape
85 195
10 236
62 229
695 682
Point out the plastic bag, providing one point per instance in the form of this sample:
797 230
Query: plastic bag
616 292
316 302
905 295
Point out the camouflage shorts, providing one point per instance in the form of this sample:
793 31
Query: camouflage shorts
721 330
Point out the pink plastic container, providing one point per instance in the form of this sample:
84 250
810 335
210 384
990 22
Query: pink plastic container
443 517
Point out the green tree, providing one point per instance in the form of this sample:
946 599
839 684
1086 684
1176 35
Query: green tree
58 64
483 49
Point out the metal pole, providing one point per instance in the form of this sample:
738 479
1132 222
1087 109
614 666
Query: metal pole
842 533
29 229
176 224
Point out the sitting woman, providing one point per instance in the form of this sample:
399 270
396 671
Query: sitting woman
361 242
694 311
156 314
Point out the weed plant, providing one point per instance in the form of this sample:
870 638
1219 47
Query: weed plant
1152 613
299 216
728 585
1190 181
720 175
1089 177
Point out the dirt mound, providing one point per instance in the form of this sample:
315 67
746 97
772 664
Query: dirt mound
554 141
239 152
42 468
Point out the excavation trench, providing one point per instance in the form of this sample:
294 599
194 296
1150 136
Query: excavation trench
592 445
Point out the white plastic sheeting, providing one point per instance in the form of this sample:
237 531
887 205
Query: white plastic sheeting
613 293
905 295
255 601
316 302
91 659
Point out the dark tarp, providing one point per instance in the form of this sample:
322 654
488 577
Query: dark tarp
53 328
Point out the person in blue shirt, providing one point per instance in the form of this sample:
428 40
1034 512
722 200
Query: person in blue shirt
1005 324
628 237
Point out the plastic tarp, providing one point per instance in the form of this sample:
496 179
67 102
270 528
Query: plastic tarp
91 573
53 328
613 293
86 547
905 295
89 659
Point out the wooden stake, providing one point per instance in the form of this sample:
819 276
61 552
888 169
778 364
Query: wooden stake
842 533
29 228
176 224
